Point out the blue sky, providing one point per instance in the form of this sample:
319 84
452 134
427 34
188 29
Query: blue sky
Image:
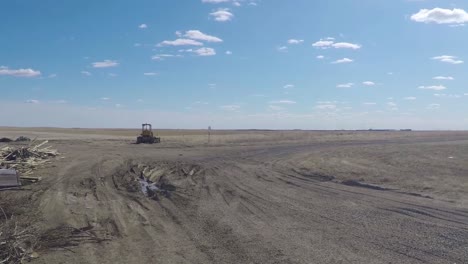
338 64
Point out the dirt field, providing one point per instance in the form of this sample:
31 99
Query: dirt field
253 197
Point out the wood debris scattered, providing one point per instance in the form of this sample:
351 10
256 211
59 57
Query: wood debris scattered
26 159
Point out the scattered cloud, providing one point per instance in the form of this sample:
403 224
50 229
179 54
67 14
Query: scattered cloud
26 73
222 15
433 106
295 41
198 35
32 101
441 16
86 73
448 95
326 106
433 87
391 104
161 57
346 45
118 105
323 44
282 49
410 98
288 86
320 57
448 78
105 64
448 59
368 83
341 61
345 85
330 43
143 26
150 73
228 52
180 42
215 1
204 52
113 75
105 98
283 102
275 108
230 107
370 103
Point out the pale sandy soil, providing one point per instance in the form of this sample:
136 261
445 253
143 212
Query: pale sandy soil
255 196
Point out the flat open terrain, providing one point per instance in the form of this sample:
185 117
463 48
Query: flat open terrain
254 196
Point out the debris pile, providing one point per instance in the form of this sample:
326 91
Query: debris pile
23 139
25 159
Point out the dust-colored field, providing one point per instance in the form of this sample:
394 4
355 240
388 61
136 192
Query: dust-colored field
254 197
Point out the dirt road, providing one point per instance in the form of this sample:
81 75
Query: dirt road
361 201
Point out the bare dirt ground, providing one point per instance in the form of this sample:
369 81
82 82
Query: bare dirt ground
254 197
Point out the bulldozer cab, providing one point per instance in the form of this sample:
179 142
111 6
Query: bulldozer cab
147 136
146 130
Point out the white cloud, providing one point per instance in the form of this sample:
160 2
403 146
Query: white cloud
345 85
86 73
448 78
368 83
447 95
320 57
105 64
441 16
282 49
466 94
448 59
344 60
180 42
143 26
288 86
27 73
330 43
228 52
433 87
370 103
215 1
275 108
205 52
198 35
230 107
433 106
32 101
295 41
323 44
410 98
118 105
325 106
391 104
222 15
346 45
283 102
113 75
150 73
163 56
105 98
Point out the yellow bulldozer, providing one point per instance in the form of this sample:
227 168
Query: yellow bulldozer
146 136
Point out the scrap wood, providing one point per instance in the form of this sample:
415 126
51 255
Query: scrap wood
25 159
